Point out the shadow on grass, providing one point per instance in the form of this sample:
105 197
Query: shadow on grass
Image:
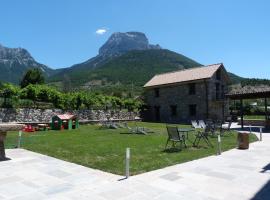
172 150
126 133
129 133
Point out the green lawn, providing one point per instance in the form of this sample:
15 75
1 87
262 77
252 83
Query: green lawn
257 117
105 148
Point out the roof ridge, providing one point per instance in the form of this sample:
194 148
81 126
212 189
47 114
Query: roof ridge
181 70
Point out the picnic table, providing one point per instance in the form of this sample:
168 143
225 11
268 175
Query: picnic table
4 128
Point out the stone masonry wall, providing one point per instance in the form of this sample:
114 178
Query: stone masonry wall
39 115
178 95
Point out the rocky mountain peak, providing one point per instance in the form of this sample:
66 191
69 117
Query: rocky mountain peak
14 62
14 53
119 43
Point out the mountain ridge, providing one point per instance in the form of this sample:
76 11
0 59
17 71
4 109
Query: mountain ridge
125 58
14 62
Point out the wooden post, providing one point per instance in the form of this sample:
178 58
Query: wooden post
242 113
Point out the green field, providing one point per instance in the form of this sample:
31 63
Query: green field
254 117
104 149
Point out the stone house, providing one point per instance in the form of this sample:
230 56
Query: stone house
180 96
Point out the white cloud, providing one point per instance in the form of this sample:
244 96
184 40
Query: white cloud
101 31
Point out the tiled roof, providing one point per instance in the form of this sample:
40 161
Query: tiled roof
248 91
66 116
192 74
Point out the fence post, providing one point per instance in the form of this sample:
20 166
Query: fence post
219 145
260 133
19 139
127 161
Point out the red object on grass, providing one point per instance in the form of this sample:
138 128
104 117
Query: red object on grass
28 128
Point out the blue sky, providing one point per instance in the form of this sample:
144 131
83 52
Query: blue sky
60 33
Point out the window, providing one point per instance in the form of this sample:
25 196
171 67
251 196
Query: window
192 88
173 110
222 92
193 110
157 113
217 91
218 75
157 92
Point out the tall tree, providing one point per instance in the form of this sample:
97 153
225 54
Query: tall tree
32 76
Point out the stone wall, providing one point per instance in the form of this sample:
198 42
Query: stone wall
176 96
39 115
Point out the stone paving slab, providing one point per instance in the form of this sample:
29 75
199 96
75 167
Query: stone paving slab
236 174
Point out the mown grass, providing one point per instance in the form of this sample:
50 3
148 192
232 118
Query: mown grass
104 149
256 117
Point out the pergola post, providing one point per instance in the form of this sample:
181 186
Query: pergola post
242 113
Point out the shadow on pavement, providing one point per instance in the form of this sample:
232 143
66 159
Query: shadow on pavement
264 193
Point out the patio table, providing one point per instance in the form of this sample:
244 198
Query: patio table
186 131
3 133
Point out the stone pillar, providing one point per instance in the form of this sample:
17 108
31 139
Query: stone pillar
2 146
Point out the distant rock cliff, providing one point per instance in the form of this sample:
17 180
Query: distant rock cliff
117 45
120 43
14 62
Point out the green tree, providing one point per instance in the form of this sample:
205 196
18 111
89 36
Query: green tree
89 100
57 98
32 76
10 94
30 92
133 104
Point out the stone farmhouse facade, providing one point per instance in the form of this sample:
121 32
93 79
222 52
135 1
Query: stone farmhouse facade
180 96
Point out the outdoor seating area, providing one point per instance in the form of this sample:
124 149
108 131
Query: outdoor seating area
110 124
200 129
154 150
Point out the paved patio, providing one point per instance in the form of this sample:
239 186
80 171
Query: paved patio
236 174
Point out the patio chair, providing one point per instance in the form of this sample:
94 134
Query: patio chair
195 124
216 128
140 130
202 124
104 124
174 137
113 125
121 125
136 129
202 135
227 127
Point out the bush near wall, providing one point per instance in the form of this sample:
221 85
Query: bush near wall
43 96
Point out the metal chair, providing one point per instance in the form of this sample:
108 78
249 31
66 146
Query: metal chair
136 129
202 124
203 135
195 124
175 137
227 127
